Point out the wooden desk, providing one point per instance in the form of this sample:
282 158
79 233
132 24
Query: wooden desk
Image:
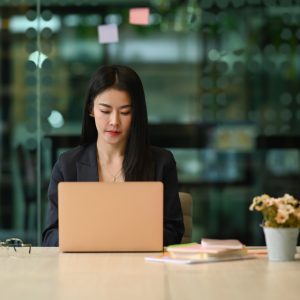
48 274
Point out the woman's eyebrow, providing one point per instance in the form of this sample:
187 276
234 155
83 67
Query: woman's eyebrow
126 106
106 105
121 107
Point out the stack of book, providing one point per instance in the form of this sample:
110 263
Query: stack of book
210 250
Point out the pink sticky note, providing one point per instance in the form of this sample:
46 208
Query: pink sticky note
139 16
108 33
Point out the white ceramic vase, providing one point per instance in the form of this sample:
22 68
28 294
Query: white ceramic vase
281 243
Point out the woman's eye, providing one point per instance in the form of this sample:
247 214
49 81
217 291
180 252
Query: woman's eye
125 113
105 111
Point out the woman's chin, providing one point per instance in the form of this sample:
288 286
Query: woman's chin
113 140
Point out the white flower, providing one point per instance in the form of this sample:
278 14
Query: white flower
287 208
270 201
281 216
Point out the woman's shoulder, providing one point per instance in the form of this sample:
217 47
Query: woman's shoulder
161 154
76 153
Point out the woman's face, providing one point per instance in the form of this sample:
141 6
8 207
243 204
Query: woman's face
112 113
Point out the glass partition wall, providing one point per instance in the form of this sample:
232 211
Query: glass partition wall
221 81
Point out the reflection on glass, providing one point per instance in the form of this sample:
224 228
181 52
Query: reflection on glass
38 58
207 66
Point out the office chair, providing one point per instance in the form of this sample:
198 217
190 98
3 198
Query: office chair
186 204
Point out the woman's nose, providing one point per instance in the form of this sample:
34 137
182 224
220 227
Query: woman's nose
114 119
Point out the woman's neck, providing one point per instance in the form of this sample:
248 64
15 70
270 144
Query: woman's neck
109 153
110 161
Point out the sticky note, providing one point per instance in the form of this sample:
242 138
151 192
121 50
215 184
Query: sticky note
139 16
108 33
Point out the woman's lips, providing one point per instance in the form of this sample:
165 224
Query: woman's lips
113 133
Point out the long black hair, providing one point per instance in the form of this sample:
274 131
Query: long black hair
137 164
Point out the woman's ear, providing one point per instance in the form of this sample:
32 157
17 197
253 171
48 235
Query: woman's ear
91 113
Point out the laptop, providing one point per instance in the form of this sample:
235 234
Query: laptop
110 217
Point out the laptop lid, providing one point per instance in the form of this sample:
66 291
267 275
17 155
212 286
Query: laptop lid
110 217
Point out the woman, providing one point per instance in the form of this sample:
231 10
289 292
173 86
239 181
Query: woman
115 148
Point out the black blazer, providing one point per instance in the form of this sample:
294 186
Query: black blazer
80 164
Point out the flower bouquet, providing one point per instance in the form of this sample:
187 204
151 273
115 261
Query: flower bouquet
281 223
279 212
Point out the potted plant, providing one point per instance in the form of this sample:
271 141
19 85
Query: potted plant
281 223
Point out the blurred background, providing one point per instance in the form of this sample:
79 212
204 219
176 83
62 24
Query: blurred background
222 86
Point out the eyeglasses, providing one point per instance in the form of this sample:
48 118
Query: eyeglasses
15 247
